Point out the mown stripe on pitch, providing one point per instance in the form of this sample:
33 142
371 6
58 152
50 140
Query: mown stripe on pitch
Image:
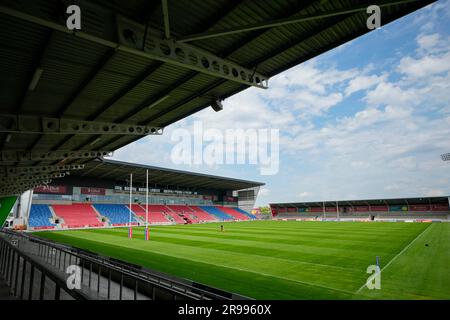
180 251
339 274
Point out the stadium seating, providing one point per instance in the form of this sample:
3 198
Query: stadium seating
89 215
40 216
180 208
412 215
155 213
176 217
77 215
185 212
233 213
118 214
137 209
192 217
202 215
251 216
217 213
158 208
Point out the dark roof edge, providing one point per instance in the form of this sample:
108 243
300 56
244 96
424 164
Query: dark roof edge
143 166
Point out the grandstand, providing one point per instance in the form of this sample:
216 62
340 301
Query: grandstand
99 197
74 97
116 214
409 209
41 217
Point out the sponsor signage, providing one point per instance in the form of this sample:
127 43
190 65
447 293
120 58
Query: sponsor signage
93 191
379 208
440 207
51 189
419 207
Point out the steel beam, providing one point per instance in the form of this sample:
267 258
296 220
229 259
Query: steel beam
14 179
85 173
284 22
106 106
36 125
165 92
165 10
291 44
22 186
105 59
21 171
131 40
14 156
35 65
229 51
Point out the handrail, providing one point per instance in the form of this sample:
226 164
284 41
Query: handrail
146 276
44 270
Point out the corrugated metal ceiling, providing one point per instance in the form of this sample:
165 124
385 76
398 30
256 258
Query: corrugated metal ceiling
89 81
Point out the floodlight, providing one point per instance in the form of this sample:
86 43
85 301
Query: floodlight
217 105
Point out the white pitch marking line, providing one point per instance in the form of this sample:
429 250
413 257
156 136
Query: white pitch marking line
398 255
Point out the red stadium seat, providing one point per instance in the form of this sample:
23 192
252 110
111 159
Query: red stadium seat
201 214
155 213
234 213
78 215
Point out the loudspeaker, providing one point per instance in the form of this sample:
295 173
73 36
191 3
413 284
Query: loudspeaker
217 105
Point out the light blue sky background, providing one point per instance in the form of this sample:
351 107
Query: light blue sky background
368 119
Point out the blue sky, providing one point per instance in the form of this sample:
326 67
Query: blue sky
368 119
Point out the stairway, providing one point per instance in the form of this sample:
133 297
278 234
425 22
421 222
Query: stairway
186 218
169 217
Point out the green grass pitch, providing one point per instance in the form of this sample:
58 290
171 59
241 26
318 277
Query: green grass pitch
288 259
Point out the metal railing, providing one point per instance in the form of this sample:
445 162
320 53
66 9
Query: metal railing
19 270
100 274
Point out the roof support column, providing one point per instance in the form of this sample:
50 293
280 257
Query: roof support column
165 10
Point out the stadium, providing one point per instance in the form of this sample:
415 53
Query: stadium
79 226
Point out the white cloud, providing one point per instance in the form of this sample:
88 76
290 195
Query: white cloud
428 42
387 144
391 94
432 58
363 82
304 195
425 66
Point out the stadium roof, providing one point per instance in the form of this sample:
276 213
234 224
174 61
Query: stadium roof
138 66
120 171
372 202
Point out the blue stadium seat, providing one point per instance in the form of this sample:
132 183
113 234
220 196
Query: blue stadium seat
40 216
251 216
217 213
116 213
